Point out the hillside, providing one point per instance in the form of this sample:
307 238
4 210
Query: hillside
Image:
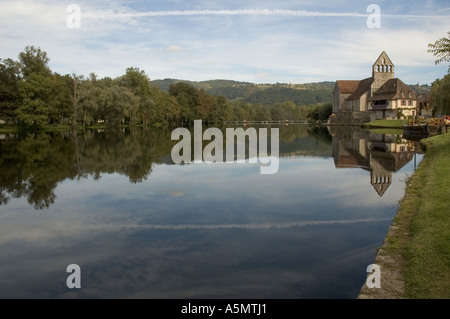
265 94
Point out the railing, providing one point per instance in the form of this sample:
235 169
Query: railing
415 120
286 122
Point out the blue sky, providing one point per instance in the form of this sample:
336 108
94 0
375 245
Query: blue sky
255 41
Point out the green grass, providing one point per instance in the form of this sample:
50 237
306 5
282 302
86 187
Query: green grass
424 217
387 130
387 123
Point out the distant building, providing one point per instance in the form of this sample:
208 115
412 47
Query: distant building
424 103
382 96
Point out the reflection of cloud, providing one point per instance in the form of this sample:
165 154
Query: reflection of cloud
176 193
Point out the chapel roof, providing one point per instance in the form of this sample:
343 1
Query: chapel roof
347 86
392 89
363 87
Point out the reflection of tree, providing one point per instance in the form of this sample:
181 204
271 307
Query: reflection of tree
34 164
321 134
304 140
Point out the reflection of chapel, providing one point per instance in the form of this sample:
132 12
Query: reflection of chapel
381 96
380 157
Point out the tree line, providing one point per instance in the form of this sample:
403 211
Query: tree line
440 89
31 95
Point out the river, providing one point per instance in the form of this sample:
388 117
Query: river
139 226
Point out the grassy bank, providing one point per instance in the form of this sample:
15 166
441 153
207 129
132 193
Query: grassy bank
427 203
415 256
386 124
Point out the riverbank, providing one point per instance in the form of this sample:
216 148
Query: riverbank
393 124
415 256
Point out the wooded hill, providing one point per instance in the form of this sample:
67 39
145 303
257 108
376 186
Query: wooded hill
269 93
265 94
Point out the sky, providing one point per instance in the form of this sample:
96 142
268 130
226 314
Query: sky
285 41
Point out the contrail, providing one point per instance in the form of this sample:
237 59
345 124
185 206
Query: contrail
301 13
267 12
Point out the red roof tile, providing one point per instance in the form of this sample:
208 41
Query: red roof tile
347 87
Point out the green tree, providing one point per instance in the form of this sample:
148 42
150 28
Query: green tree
89 93
440 89
441 49
116 103
35 94
262 113
62 97
221 111
187 98
38 94
9 89
320 112
139 83
34 61
166 110
440 95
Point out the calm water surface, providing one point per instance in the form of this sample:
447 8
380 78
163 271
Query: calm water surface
141 227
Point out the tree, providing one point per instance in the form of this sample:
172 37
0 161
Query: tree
89 93
166 110
440 89
188 100
139 83
35 96
221 111
33 60
440 95
61 97
38 92
262 113
9 89
441 49
320 112
74 84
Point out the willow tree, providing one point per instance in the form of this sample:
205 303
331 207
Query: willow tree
440 89
441 49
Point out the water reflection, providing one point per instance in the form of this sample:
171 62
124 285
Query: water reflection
380 154
141 227
33 164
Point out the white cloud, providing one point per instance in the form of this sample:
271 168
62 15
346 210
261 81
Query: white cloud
290 44
173 48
